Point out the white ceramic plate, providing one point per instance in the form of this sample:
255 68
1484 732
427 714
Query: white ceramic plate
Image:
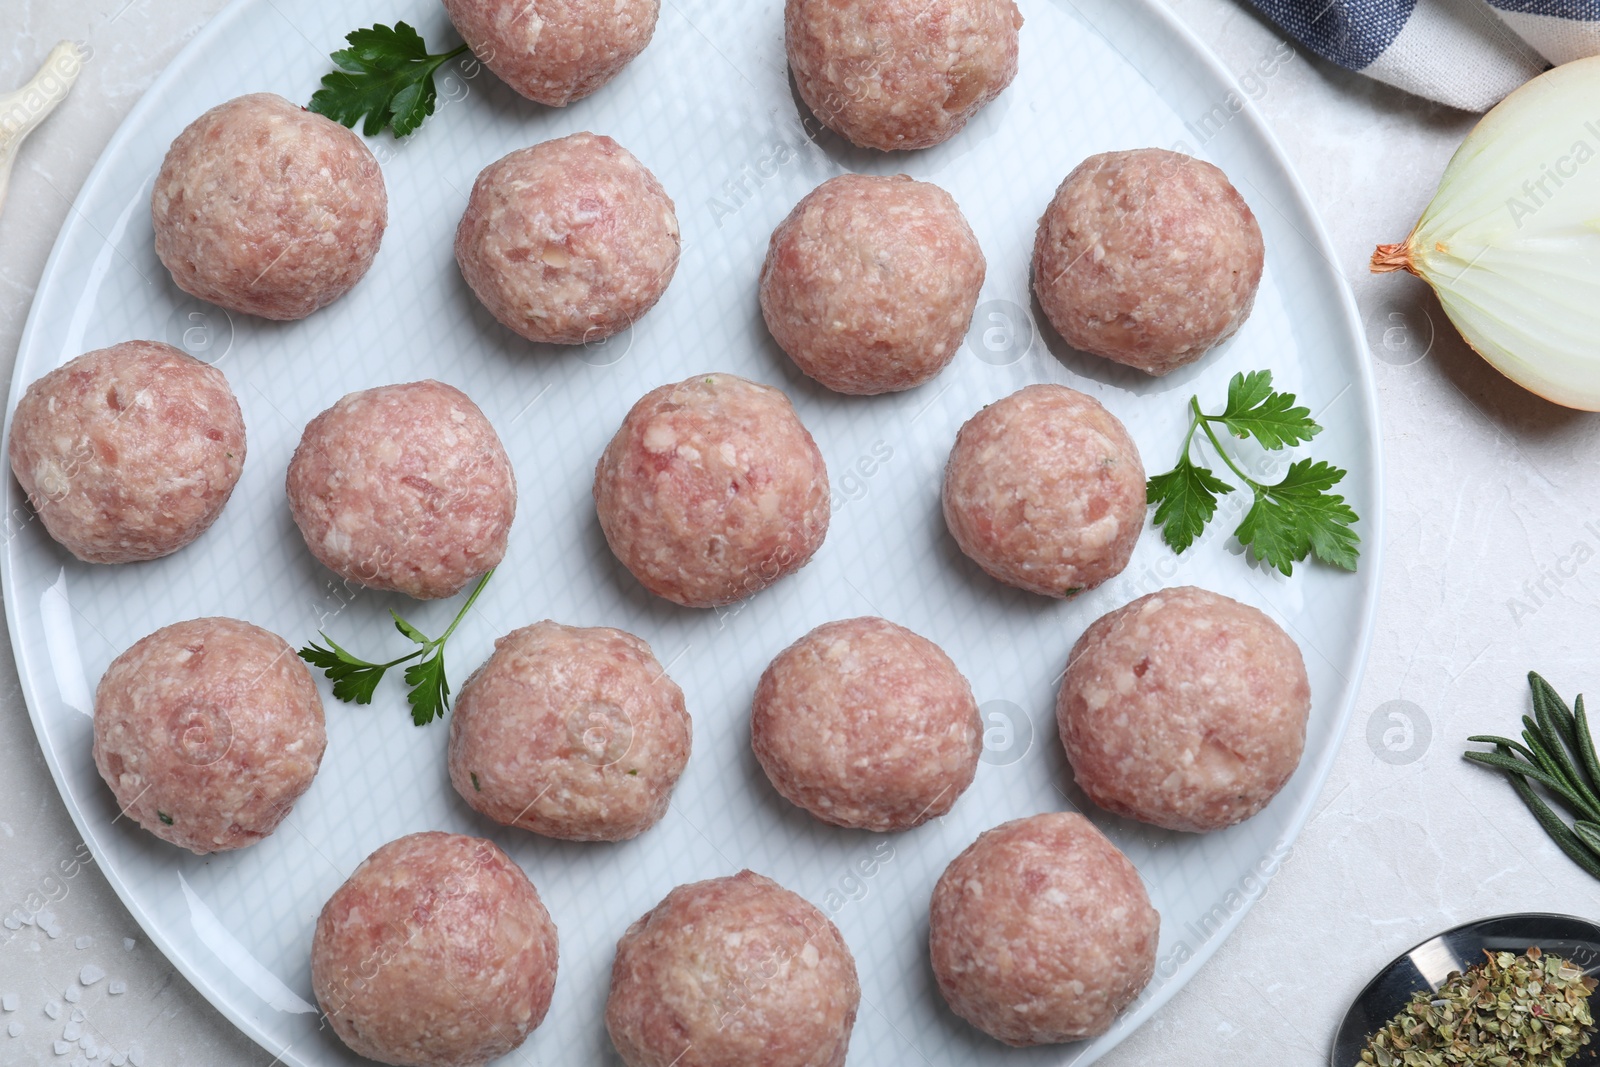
709 108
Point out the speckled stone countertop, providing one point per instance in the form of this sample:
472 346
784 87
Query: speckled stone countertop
1493 568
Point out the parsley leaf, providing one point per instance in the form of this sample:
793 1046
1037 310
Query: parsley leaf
1288 521
1185 499
1298 517
406 628
355 679
386 75
430 692
1255 410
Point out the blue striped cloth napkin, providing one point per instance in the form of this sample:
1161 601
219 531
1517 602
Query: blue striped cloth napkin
1465 53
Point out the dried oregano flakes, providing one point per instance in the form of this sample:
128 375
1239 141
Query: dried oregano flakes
1530 1010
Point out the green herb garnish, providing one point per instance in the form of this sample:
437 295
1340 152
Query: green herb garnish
475 784
1290 520
164 817
1531 1009
387 75
355 679
1559 754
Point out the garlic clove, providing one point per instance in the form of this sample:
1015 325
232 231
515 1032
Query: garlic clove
21 110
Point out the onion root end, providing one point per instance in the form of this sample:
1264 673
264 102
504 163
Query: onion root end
1389 258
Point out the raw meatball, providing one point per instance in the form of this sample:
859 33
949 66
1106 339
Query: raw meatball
712 490
569 241
1184 709
269 209
208 731
404 487
1041 931
570 732
894 74
1045 491
870 283
555 51
437 952
732 972
129 452
867 725
1148 258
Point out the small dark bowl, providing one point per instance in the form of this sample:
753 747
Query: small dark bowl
1428 965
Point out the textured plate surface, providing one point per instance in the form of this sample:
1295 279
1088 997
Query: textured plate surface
709 108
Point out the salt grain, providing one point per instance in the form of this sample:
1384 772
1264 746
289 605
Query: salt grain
90 974
127 944
45 918
13 923
83 942
15 1029
116 987
72 1032
10 1002
52 1009
136 1054
52 932
62 1048
72 994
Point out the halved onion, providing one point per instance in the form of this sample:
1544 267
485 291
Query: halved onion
1511 241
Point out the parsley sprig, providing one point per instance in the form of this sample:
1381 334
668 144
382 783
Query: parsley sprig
1288 521
355 679
387 75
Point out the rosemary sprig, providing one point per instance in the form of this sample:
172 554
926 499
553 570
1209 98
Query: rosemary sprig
1557 752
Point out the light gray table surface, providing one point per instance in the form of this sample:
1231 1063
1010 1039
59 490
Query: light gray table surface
1493 534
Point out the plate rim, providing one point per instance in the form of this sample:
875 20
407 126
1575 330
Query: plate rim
1373 553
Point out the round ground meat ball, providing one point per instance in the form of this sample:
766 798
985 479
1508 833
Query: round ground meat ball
1045 491
555 51
129 452
570 732
1148 258
870 283
732 972
1041 931
437 952
207 732
896 74
269 209
712 490
867 725
405 488
569 241
1184 709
